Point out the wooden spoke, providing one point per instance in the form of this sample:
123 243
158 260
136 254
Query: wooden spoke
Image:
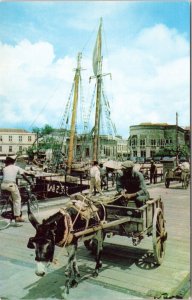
159 236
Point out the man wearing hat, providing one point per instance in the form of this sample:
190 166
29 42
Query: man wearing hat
131 184
10 172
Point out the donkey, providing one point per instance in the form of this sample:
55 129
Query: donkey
60 228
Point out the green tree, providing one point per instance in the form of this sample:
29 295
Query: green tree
183 150
47 129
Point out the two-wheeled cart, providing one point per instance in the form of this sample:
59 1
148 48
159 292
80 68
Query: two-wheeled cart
136 223
172 173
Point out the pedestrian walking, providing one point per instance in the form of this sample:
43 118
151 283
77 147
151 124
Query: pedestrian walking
95 180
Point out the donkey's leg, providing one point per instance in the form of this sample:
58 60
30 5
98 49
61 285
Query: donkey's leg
99 238
71 270
74 267
68 270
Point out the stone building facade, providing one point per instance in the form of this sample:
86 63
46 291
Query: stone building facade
107 146
110 147
15 141
147 139
123 151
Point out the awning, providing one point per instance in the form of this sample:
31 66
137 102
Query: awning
112 164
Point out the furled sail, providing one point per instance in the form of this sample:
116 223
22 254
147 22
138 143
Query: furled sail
97 52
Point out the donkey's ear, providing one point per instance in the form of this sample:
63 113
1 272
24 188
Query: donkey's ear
31 216
33 220
30 243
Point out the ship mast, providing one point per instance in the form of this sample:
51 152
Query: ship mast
98 95
74 112
97 69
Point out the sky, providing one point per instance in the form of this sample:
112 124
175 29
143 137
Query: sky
146 48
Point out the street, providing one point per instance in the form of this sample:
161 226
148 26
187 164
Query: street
127 271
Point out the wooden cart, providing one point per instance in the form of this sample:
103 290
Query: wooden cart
182 177
171 174
136 223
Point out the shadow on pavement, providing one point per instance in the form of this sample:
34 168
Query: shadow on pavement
51 286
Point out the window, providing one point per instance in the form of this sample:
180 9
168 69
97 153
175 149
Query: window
1 138
20 138
29 138
143 153
10 149
20 148
153 142
167 142
142 142
160 142
10 138
0 148
134 142
135 153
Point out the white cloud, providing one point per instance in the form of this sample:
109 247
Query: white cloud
31 81
150 81
162 42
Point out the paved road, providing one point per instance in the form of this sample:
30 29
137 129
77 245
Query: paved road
125 274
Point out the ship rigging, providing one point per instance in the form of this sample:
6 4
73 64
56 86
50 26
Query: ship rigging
90 146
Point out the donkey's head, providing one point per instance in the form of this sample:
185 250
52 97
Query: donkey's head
43 242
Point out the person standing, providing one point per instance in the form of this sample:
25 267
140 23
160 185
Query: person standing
10 172
153 172
131 184
95 180
103 176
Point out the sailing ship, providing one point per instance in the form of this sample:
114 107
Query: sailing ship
89 142
91 151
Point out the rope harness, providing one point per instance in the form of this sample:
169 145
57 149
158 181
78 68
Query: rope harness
86 210
80 207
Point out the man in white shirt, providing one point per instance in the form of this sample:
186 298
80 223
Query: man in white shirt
95 180
10 172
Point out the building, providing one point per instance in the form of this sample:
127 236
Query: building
15 141
110 147
123 151
84 147
187 136
146 139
